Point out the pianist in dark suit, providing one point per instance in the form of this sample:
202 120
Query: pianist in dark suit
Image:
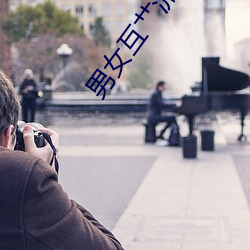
155 107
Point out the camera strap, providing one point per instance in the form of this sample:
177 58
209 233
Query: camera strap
48 139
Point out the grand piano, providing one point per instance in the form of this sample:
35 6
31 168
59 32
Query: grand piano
220 89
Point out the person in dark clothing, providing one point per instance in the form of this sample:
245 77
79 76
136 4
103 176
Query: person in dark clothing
154 110
35 212
29 91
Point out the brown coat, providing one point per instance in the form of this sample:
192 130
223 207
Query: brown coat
36 214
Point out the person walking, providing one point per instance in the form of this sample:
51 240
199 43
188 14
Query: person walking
29 92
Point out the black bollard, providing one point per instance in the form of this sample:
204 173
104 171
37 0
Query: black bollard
189 146
150 134
207 140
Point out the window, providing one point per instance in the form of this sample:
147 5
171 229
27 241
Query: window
119 26
67 8
92 10
91 27
108 25
82 26
79 10
105 9
119 9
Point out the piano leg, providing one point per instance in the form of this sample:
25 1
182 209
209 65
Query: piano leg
190 123
243 114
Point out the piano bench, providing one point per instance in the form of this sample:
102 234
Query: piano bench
150 132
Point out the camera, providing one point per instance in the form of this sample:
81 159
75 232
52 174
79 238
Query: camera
38 137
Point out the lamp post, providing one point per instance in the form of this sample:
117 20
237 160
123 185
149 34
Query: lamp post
64 51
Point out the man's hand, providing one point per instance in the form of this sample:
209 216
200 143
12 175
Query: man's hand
45 153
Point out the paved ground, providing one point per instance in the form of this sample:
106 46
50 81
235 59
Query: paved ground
149 195
104 184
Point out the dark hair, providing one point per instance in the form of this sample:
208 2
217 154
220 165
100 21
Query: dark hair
159 84
9 104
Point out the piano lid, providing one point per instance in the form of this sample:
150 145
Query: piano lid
218 78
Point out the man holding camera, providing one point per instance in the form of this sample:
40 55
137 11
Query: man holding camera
35 212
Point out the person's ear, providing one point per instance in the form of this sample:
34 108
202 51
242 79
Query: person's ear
8 138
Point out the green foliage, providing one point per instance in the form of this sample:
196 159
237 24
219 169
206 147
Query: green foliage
141 74
100 33
42 18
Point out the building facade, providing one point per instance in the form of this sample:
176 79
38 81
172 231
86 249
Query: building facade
115 13
15 3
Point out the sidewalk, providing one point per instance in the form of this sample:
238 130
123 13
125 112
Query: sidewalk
188 204
150 196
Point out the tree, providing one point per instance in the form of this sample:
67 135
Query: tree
5 62
100 34
40 55
42 18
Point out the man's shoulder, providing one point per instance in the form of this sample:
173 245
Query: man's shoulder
156 95
22 163
15 160
16 169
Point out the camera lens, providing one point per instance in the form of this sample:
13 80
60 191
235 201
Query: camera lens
38 137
